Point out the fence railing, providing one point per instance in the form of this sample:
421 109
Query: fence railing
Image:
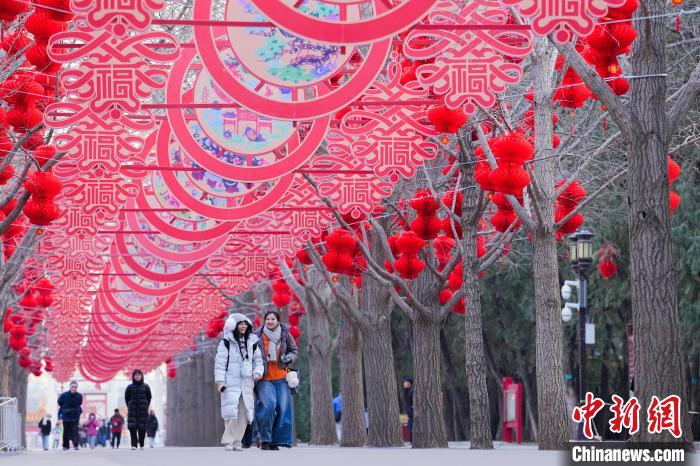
10 425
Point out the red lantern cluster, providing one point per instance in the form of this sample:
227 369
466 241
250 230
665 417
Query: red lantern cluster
14 232
505 215
48 363
454 203
443 250
282 293
44 288
454 283
10 9
447 120
408 265
674 171
216 325
340 252
572 93
566 202
610 40
426 225
511 151
295 333
606 257
40 209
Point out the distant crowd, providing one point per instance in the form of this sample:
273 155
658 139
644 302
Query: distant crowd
141 422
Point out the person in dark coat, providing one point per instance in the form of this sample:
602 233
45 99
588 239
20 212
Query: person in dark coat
116 422
45 431
138 399
70 408
408 400
152 428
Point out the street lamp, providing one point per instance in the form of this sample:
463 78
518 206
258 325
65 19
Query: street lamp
581 257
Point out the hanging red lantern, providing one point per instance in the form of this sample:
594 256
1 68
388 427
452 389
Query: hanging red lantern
447 120
41 211
512 147
674 170
674 201
510 178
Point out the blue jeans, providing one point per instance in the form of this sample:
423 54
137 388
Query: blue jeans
273 412
45 442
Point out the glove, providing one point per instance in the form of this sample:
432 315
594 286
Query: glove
287 358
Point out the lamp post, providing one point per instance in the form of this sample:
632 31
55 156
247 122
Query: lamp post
581 257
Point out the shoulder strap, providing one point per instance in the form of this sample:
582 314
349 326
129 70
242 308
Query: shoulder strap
227 344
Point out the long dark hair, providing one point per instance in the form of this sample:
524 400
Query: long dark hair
248 329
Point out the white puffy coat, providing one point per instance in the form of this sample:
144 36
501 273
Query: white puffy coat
238 376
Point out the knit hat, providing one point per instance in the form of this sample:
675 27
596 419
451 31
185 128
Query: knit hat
73 384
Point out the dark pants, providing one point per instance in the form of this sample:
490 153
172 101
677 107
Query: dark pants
70 433
141 432
116 437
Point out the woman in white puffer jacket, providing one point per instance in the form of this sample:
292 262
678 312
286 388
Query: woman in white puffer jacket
236 369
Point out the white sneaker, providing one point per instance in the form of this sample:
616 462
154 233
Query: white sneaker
133 448
237 447
142 448
229 447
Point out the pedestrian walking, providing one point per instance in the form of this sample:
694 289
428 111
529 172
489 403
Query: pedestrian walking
408 403
70 408
103 433
91 428
273 411
57 433
152 428
45 431
138 398
338 413
116 422
238 365
82 435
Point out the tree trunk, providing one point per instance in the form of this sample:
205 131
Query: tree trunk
428 422
551 405
657 352
475 359
320 355
378 358
353 432
193 415
460 415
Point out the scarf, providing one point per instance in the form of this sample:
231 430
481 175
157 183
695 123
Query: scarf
274 337
242 347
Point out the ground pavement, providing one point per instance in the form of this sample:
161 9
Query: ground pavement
457 454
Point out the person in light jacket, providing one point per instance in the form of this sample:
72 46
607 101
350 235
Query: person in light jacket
238 365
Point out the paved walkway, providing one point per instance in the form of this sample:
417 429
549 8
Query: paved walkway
458 454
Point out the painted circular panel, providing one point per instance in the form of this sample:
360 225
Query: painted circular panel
278 57
238 130
390 17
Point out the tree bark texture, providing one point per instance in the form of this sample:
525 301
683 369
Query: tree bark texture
378 357
193 411
353 432
551 405
475 359
428 421
320 355
659 368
